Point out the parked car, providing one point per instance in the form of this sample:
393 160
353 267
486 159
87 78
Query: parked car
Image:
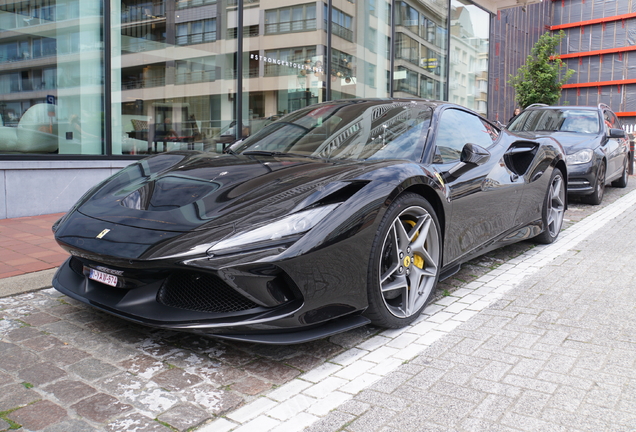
597 147
335 216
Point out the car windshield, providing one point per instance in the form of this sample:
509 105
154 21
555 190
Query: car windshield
556 120
352 130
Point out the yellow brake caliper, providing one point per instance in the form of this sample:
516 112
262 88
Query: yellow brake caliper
418 261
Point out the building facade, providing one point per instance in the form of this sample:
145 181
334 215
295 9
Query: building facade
599 42
600 46
86 87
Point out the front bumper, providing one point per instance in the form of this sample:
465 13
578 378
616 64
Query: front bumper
581 179
202 301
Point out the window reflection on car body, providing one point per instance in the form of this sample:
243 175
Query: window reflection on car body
275 153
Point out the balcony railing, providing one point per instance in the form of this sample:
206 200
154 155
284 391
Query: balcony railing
196 38
343 32
291 26
143 83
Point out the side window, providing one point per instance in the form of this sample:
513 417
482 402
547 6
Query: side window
455 129
611 121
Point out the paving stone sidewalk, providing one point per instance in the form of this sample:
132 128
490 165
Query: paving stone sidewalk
556 353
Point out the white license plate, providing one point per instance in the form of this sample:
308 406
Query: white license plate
102 277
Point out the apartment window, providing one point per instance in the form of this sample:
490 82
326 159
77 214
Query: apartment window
409 17
429 88
407 49
142 11
408 84
431 60
431 32
341 63
291 19
282 61
371 71
195 70
184 4
371 40
342 25
196 32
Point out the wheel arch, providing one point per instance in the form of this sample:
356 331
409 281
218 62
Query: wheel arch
604 162
429 194
561 165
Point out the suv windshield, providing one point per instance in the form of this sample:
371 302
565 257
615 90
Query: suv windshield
353 130
557 120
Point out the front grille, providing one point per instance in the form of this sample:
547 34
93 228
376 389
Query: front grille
201 292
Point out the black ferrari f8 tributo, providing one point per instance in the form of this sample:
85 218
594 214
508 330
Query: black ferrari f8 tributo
337 215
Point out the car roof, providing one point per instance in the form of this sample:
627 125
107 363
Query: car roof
563 107
600 106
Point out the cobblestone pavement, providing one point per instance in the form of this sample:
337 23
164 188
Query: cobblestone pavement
66 367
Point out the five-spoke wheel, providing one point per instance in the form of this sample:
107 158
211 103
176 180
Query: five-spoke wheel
596 197
553 208
405 262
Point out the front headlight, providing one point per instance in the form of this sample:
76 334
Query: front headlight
580 157
287 227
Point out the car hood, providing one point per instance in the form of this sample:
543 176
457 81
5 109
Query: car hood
182 192
571 142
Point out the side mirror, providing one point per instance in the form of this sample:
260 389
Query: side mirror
472 155
617 133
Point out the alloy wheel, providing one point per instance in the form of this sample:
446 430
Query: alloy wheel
409 262
556 202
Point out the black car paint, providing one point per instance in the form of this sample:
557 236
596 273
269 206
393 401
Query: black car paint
294 294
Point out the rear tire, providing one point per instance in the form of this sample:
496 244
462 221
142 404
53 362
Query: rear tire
405 262
553 208
622 181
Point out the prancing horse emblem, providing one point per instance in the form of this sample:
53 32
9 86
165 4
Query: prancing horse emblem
103 233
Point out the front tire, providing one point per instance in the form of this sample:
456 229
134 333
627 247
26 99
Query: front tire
405 262
599 189
553 208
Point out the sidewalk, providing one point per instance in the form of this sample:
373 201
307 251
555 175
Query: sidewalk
27 245
555 353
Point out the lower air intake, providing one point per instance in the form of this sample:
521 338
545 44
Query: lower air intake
202 293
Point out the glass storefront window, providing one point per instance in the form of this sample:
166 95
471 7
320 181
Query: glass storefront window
360 59
285 63
174 72
468 63
180 93
420 53
51 78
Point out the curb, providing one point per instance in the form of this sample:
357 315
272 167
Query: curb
26 283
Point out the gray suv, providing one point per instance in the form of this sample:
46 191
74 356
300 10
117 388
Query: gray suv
597 147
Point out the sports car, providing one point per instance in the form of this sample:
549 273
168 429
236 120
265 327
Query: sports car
335 216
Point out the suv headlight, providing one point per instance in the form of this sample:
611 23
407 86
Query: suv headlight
580 157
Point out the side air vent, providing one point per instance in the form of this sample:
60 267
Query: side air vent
520 155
